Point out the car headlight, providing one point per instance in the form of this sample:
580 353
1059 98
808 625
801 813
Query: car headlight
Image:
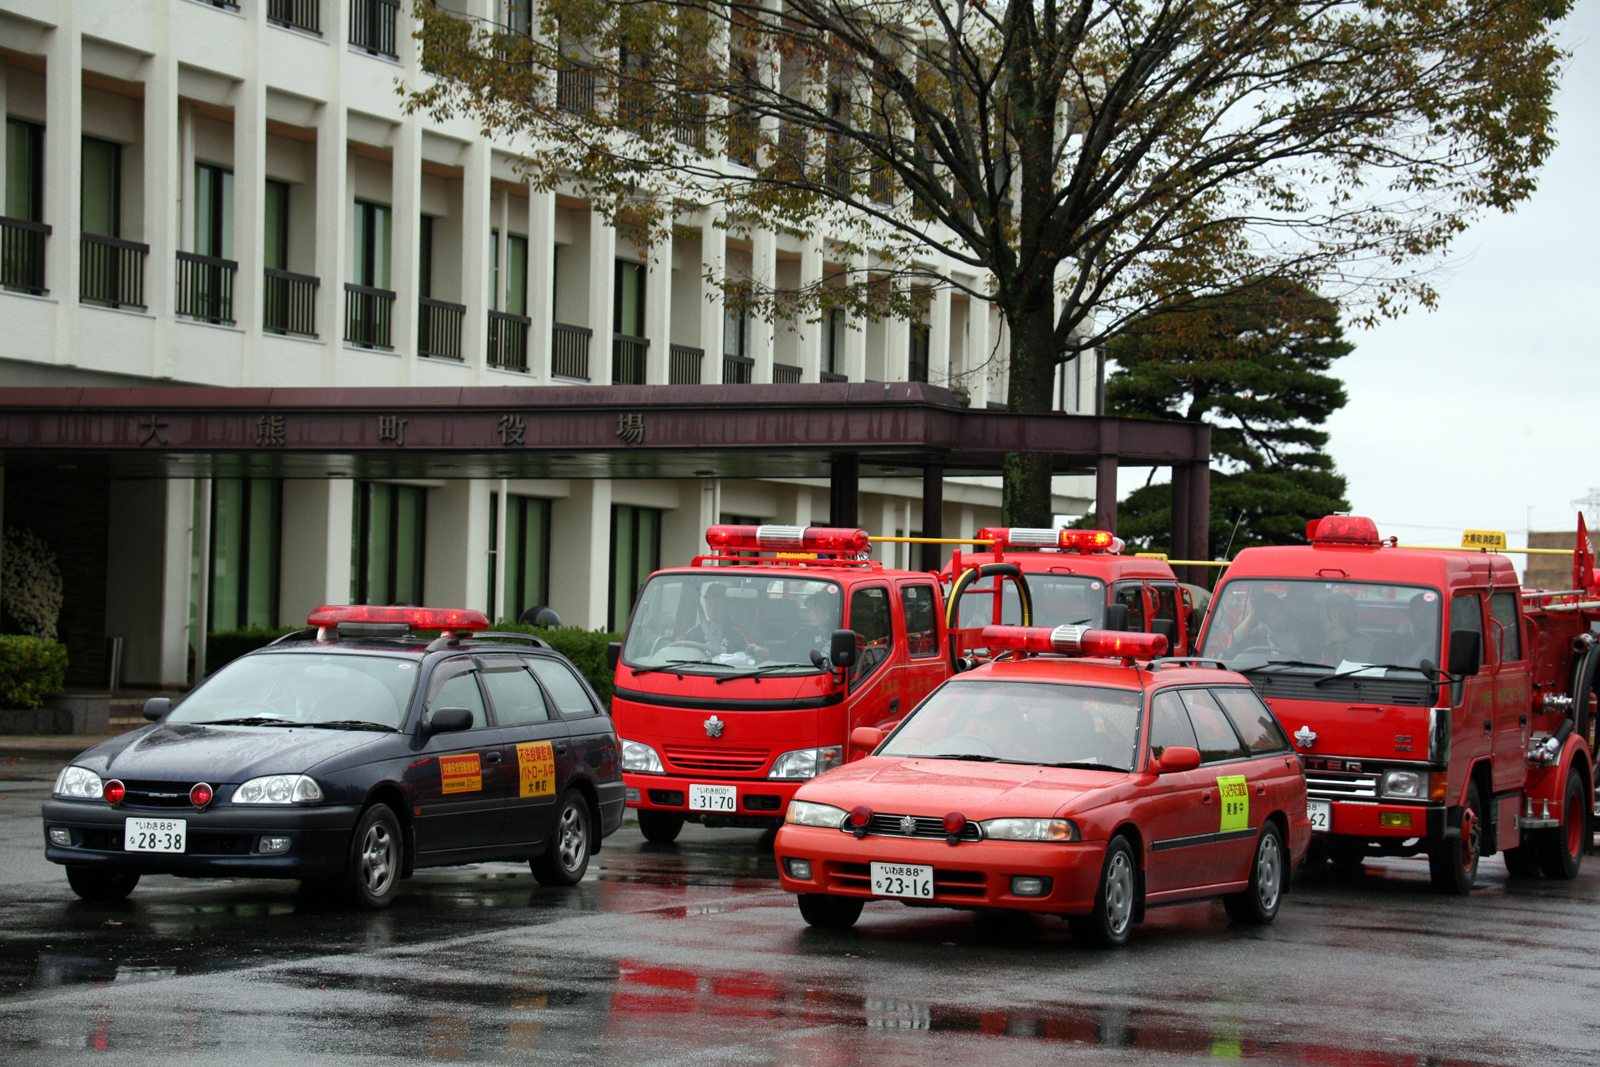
1408 784
1031 830
804 763
640 758
78 782
810 813
278 789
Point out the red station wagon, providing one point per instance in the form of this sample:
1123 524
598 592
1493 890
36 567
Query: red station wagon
1090 788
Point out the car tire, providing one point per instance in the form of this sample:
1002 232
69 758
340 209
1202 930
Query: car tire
1258 905
1111 921
829 913
662 827
1453 862
377 856
102 887
566 858
1523 861
1561 849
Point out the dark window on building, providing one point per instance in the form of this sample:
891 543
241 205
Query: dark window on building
245 538
101 208
24 170
526 561
276 253
833 342
736 332
921 339
390 526
372 244
515 288
628 304
425 256
213 210
635 554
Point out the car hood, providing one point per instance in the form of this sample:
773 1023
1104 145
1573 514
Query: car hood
932 787
217 754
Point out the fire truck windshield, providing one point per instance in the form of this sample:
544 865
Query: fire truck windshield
1024 722
729 618
1319 625
1058 600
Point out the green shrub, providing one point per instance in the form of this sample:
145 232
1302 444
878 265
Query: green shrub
30 669
585 648
225 646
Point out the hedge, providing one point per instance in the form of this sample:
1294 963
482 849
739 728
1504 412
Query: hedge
225 646
30 669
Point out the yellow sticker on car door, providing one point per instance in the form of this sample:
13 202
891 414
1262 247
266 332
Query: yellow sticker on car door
536 768
1234 792
461 774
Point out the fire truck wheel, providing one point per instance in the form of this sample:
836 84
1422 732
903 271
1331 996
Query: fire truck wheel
1561 850
1523 861
660 826
101 887
1453 862
1111 921
830 913
1259 903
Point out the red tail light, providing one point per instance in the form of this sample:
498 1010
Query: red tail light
416 618
200 795
787 539
114 791
1075 640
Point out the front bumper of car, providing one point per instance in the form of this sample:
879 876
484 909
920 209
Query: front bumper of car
972 874
221 841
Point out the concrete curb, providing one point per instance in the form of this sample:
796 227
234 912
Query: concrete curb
60 747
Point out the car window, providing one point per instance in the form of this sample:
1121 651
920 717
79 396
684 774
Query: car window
565 690
1212 729
1508 634
1169 724
922 633
1254 721
516 696
869 618
460 690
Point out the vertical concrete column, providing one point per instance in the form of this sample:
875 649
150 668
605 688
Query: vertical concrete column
249 195
658 310
334 204
794 505
186 180
582 522
809 343
63 108
855 334
714 256
3 110
177 512
763 274
161 191
500 209
897 350
939 336
456 568
541 281
318 514
683 528
980 349
405 260
475 225
602 278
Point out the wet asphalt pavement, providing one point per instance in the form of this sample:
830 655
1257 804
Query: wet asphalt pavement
690 954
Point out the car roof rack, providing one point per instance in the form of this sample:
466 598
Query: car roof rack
1193 661
537 642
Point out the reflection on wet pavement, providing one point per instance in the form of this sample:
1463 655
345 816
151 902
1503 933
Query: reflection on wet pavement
691 954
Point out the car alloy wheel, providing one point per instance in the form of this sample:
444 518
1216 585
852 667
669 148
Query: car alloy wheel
566 857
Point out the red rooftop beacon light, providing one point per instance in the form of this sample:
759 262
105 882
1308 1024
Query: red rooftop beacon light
1036 537
1343 530
788 539
1076 641
416 618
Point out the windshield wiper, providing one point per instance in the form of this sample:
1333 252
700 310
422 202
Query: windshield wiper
972 756
1427 670
251 720
1280 663
765 668
674 664
351 724
1086 765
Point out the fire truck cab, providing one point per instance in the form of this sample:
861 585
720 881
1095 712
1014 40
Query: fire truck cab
742 675
1437 708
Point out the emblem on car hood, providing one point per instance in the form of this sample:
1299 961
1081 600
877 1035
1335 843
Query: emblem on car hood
1305 737
714 727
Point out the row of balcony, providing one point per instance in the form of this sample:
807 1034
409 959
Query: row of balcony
112 275
372 22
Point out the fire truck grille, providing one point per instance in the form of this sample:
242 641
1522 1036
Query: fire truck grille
716 760
1341 785
893 826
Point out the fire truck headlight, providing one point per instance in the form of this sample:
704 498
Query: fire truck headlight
1408 784
804 763
810 813
640 758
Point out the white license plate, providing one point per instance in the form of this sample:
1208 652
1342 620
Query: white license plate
154 835
902 880
713 798
1321 812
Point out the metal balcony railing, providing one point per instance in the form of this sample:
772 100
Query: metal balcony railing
783 374
205 287
627 359
439 328
575 90
111 271
368 316
737 370
300 14
829 376
22 255
569 351
508 340
372 26
683 364
289 303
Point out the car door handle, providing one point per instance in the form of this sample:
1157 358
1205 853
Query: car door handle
1205 798
561 750
894 707
491 757
1488 726
1261 790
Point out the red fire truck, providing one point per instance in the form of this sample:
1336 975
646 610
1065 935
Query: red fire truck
742 674
1438 709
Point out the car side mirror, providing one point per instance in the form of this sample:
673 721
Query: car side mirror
156 707
867 737
613 654
447 721
1116 617
1177 758
1167 628
842 649
1466 648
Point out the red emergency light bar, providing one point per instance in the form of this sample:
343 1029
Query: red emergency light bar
1040 537
1074 641
1342 530
416 618
787 539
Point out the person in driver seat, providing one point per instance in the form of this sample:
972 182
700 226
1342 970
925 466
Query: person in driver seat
718 631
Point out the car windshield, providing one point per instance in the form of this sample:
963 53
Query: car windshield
728 621
304 687
1310 625
1058 600
1024 722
